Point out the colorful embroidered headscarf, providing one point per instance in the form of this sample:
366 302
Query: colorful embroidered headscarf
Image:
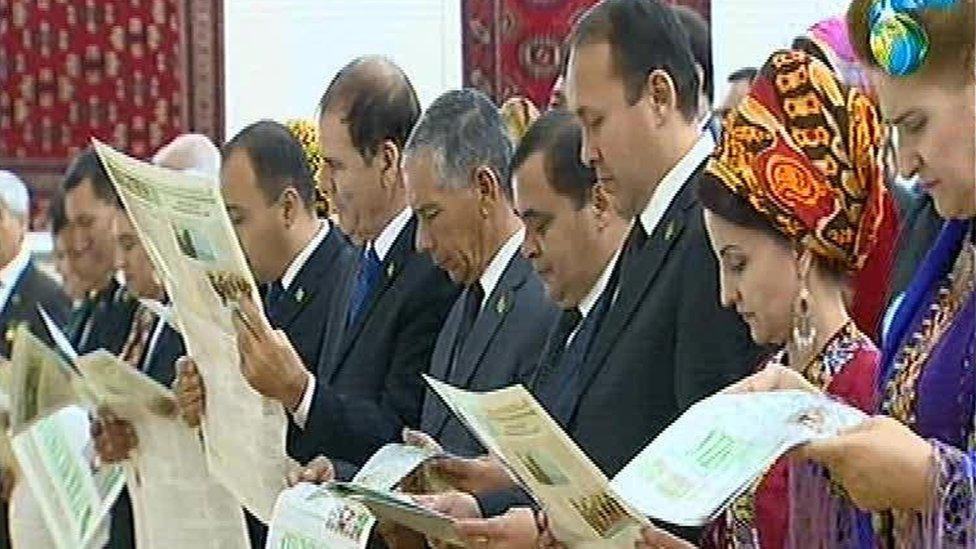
803 150
833 45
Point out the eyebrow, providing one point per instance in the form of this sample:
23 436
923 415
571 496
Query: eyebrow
728 248
532 213
901 117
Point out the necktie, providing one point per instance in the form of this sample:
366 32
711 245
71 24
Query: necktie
139 333
367 278
275 292
472 306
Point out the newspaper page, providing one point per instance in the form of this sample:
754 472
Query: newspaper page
41 381
317 517
167 474
719 446
54 454
582 509
183 224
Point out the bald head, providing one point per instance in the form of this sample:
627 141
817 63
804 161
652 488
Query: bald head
377 102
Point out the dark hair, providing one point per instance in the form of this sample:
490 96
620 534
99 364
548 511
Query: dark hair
464 130
277 159
716 198
56 213
377 102
700 39
87 166
644 36
745 73
557 135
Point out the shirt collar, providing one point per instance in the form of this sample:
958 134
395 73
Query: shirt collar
11 272
674 180
389 234
299 261
493 272
589 300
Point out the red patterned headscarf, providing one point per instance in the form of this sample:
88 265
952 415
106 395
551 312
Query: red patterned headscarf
803 150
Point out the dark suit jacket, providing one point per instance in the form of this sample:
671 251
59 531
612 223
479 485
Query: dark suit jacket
665 343
110 311
303 312
33 288
502 349
368 384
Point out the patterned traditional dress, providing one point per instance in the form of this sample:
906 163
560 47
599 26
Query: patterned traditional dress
846 369
929 384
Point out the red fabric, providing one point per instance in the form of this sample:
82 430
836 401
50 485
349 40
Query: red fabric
855 385
870 284
79 69
514 47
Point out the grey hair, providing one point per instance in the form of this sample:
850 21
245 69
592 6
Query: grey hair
13 195
463 130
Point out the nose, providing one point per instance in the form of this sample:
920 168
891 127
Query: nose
424 243
589 149
530 247
728 293
908 161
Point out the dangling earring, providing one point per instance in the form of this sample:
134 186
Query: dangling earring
804 332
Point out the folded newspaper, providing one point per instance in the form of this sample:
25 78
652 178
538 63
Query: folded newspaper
713 452
51 442
183 225
340 515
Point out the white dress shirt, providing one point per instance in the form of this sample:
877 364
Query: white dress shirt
11 272
301 259
673 181
496 267
589 300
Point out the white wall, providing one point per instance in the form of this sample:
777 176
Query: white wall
745 32
281 54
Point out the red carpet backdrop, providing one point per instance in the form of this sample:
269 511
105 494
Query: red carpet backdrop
514 47
134 73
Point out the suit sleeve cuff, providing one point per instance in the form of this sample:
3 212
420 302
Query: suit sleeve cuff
300 416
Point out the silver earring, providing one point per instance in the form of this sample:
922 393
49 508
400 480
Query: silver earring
804 332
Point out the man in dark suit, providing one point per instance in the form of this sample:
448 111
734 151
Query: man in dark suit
23 287
102 319
455 169
665 341
389 307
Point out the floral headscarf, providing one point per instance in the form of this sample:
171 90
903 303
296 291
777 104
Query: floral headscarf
802 149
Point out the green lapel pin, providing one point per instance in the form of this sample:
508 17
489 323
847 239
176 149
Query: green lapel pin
669 231
502 304
300 295
390 269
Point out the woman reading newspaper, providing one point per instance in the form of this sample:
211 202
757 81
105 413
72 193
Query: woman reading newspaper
917 464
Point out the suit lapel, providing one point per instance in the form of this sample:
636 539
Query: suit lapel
393 265
486 325
636 280
434 412
303 288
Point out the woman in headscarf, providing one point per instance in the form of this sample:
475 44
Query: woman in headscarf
792 198
918 461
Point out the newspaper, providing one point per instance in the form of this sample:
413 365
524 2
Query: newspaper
167 475
54 454
41 381
582 509
183 224
51 444
720 446
320 516
685 476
